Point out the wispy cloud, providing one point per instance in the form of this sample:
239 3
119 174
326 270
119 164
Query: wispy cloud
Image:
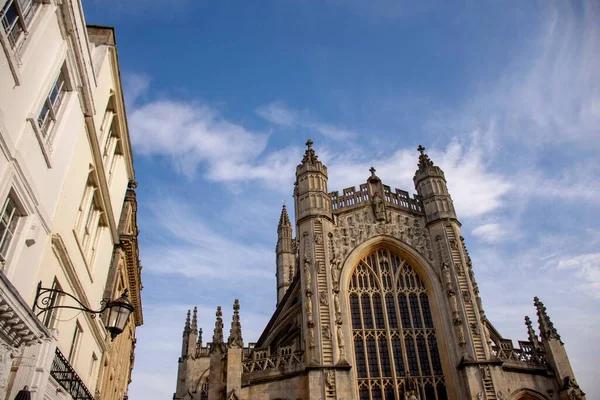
279 113
587 271
184 243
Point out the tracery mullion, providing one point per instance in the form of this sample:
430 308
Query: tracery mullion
400 294
413 336
386 321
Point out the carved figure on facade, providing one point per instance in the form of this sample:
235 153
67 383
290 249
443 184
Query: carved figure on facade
340 340
319 238
337 308
329 378
309 311
326 331
378 207
307 276
323 298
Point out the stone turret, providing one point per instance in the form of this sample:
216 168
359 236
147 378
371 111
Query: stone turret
310 191
430 183
556 355
285 251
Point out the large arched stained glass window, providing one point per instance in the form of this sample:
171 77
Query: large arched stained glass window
395 345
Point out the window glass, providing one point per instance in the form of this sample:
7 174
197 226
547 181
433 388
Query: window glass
393 352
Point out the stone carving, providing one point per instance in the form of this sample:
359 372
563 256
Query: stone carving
357 227
466 296
323 298
326 331
340 340
320 267
309 311
329 378
459 268
336 268
307 276
7 353
378 207
336 307
319 238
311 337
474 328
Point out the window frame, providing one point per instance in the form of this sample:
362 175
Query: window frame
47 120
411 347
75 342
10 227
16 30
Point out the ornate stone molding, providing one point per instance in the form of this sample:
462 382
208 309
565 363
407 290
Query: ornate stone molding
359 226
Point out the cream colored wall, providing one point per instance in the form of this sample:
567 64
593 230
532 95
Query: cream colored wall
51 190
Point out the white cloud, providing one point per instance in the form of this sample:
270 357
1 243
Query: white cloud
489 233
184 243
279 113
587 270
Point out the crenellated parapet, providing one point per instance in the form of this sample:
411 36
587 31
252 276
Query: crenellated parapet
352 198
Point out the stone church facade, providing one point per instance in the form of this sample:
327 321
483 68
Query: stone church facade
376 299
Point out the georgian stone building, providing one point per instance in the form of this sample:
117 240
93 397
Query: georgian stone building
67 216
377 299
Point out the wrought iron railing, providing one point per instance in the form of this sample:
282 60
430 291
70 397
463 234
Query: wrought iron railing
65 375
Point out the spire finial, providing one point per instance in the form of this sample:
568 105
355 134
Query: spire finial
309 156
533 338
547 329
195 320
200 337
235 334
424 161
372 171
218 333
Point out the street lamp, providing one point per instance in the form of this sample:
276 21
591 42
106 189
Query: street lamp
118 309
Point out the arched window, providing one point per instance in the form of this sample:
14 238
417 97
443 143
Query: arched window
395 345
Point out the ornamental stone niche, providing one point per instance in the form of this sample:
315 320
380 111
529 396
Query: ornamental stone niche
381 302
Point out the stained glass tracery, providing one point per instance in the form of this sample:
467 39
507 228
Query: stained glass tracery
394 339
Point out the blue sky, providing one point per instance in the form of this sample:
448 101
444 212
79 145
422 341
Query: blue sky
222 95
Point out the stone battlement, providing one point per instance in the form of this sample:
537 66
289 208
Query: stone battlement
353 198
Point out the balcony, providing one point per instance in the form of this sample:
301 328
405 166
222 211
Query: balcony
66 377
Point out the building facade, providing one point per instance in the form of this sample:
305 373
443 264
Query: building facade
376 299
68 203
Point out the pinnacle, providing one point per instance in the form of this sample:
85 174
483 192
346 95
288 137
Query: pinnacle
187 328
309 156
235 334
195 320
547 329
424 160
218 332
284 219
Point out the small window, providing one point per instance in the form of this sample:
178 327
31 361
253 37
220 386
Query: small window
75 342
49 112
8 225
16 15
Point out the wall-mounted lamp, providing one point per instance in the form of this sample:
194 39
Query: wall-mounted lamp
118 309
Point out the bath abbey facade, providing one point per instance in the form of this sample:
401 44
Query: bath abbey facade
376 299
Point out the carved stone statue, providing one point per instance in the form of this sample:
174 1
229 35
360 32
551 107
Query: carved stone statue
308 275
378 207
330 378
323 298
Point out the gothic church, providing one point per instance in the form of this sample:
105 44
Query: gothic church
377 299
